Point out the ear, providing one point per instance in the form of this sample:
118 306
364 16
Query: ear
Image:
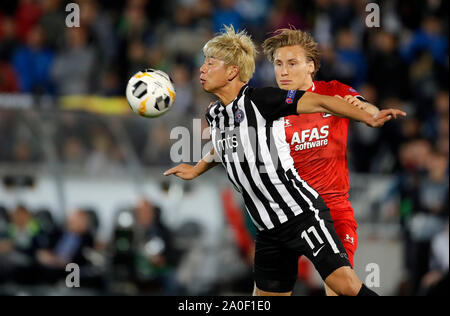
311 67
232 72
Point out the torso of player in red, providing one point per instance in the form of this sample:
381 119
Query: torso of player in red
318 144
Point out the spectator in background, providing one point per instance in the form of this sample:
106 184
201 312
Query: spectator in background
435 281
154 252
134 24
69 248
33 63
137 55
433 190
8 37
22 152
101 29
386 68
110 83
187 35
391 138
342 14
23 232
8 79
74 151
8 44
72 138
203 10
436 119
253 13
133 31
4 221
104 156
74 69
422 188
53 22
428 38
427 56
284 15
27 16
19 246
350 60
181 74
226 14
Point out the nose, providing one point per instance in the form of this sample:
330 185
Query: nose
284 70
202 69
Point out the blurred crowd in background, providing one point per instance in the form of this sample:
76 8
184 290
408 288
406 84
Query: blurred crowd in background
144 255
403 64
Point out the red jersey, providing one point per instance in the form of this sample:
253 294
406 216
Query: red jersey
318 144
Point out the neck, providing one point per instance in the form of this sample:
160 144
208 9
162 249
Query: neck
308 84
229 92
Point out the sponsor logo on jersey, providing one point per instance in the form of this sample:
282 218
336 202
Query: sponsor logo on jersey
310 138
227 143
326 115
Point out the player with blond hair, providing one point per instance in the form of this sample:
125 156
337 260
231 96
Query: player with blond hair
247 132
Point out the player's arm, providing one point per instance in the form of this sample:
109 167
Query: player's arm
189 172
353 97
361 104
313 103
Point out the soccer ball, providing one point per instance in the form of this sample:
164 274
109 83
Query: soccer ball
150 93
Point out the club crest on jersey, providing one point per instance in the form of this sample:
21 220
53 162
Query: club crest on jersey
239 116
290 96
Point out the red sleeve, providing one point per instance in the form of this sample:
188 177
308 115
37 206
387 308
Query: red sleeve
343 90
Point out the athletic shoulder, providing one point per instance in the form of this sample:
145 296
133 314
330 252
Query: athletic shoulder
274 103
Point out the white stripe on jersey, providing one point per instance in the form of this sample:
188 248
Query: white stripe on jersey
270 196
251 158
269 164
261 208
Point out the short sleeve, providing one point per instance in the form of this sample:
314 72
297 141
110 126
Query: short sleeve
274 103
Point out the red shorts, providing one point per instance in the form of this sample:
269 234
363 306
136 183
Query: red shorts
345 227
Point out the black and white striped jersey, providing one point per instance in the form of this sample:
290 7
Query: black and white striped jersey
249 137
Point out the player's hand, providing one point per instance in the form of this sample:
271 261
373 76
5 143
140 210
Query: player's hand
183 171
383 116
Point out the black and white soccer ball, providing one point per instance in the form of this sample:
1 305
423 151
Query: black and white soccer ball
150 93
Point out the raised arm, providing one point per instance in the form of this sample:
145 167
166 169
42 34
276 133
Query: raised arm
189 172
313 103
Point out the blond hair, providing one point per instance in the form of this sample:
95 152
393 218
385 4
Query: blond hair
291 37
235 49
